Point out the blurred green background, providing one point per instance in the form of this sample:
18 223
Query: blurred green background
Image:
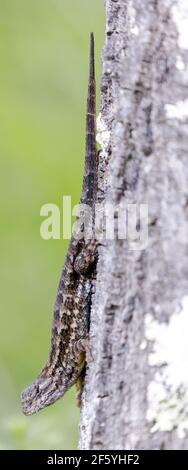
44 47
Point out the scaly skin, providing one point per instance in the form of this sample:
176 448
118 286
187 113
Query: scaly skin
72 308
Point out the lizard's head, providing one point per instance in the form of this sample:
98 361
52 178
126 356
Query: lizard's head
41 393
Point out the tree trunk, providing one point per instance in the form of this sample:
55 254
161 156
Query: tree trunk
136 388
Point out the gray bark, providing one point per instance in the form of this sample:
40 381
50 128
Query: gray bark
136 390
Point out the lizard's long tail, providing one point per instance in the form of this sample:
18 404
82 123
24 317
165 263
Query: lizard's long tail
90 173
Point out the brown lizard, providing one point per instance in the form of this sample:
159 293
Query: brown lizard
72 308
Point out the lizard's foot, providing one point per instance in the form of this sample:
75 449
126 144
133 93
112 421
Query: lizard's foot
81 346
80 386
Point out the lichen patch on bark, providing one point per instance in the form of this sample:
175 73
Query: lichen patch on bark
168 390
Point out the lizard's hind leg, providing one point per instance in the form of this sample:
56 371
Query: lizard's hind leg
80 385
80 381
86 258
81 347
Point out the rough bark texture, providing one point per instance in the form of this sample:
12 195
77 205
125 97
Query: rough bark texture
137 380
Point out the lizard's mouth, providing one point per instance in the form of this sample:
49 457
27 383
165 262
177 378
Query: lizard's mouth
40 394
30 398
